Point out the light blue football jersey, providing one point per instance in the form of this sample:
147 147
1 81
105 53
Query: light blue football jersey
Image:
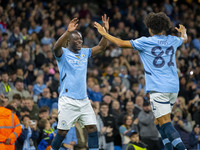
73 71
158 57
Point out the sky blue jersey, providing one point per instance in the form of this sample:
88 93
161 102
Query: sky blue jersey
158 57
73 71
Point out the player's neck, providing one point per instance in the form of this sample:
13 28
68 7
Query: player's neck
159 34
72 50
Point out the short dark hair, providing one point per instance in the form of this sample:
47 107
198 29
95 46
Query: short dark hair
107 94
157 22
17 96
25 109
42 123
1 102
43 109
18 80
11 108
103 104
4 73
22 119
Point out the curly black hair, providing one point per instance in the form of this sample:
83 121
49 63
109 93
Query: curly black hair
157 22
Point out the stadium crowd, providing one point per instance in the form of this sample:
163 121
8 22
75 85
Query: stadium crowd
116 86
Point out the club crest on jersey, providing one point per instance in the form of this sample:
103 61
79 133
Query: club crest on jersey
63 122
82 55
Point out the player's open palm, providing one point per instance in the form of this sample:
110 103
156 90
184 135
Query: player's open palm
105 22
73 25
100 29
181 28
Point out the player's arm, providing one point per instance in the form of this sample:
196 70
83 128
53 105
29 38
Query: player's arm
63 39
100 47
182 30
103 42
116 41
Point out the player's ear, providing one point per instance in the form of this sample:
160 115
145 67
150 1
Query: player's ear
67 43
150 32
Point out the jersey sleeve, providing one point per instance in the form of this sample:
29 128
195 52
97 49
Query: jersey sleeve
61 57
138 44
179 41
89 53
86 52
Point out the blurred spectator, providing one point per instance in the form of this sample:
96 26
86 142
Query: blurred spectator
100 128
46 135
10 127
195 137
27 140
5 85
39 85
24 111
70 140
183 127
46 99
129 111
17 99
125 128
16 36
141 83
124 76
3 23
139 100
44 113
90 40
116 110
82 138
147 128
54 119
109 74
95 94
4 59
5 101
39 56
47 39
29 75
108 100
135 142
19 89
84 12
54 85
196 115
34 28
109 123
33 108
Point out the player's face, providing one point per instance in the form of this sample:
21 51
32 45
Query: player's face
76 41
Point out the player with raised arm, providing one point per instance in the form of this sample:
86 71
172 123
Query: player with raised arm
158 57
73 104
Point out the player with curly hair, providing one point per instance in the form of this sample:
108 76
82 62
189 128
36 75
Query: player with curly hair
157 54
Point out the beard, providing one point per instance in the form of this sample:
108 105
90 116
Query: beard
147 111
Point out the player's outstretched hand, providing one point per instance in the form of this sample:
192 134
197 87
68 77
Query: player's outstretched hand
181 28
105 22
72 25
100 29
